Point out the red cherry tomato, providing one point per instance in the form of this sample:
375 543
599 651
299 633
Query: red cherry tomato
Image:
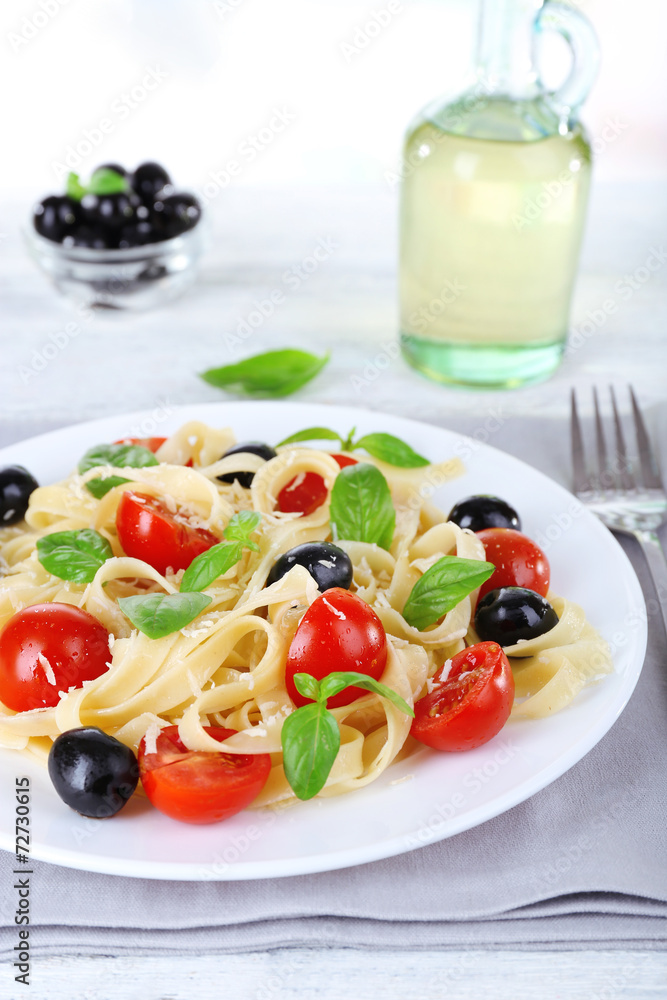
197 786
49 648
151 443
148 531
518 560
472 705
303 494
344 460
339 631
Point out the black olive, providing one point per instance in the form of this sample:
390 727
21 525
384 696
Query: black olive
56 216
93 237
149 179
92 772
112 210
512 613
16 485
264 451
479 512
175 214
328 565
137 234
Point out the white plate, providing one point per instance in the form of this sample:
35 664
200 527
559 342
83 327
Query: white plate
426 798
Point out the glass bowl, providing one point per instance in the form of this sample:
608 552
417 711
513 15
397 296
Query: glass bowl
133 278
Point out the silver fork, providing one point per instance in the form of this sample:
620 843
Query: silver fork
622 500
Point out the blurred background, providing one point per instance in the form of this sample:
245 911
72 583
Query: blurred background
286 119
198 83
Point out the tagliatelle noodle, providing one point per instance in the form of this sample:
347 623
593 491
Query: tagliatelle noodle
227 668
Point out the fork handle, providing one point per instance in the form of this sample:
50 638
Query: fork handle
657 564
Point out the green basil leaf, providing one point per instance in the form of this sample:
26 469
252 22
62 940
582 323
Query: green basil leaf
211 564
442 587
157 615
74 188
241 526
121 456
273 373
100 487
348 443
73 555
311 434
337 681
308 686
311 740
361 507
105 181
392 450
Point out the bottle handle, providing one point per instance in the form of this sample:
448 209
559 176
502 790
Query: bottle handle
580 35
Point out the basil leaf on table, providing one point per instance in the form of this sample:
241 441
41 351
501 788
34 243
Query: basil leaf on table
361 508
99 487
311 434
74 555
391 450
442 587
272 373
157 615
311 740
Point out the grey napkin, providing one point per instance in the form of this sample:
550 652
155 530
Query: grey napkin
579 865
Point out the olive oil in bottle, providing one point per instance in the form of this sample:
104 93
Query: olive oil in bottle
493 203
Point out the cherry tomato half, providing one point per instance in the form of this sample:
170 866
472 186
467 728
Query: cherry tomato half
303 494
339 631
148 531
518 560
196 786
49 648
344 460
471 705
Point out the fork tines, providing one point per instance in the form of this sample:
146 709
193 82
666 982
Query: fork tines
614 471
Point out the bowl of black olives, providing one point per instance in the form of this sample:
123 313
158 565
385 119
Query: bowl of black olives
123 240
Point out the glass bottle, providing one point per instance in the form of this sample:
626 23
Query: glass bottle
493 201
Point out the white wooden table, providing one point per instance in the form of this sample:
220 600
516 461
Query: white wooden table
263 241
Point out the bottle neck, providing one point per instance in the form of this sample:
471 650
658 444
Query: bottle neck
505 47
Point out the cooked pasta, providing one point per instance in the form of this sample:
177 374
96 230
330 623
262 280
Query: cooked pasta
227 667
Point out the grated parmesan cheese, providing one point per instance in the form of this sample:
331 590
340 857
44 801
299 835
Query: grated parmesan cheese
150 737
338 614
48 669
298 480
447 666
